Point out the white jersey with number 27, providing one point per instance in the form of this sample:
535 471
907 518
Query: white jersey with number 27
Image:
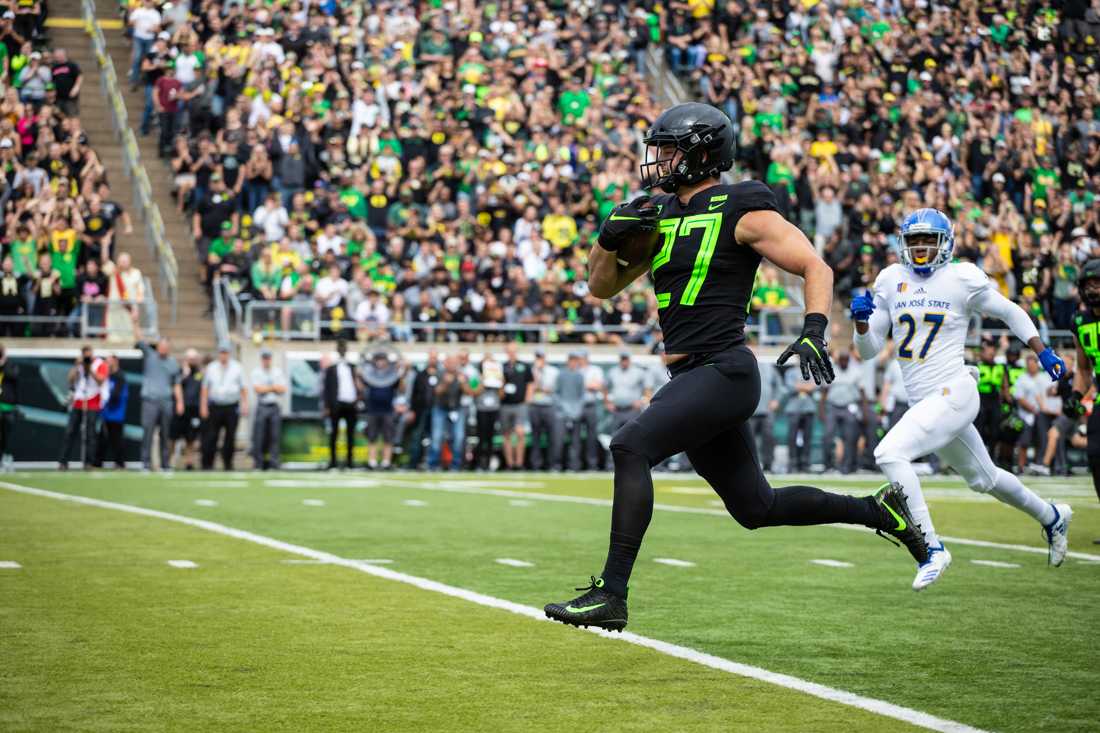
929 317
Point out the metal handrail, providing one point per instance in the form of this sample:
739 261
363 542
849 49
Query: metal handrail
221 318
134 170
87 329
271 327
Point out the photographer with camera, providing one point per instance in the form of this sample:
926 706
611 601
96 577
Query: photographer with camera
86 380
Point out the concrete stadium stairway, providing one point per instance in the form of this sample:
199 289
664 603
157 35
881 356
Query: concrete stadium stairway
191 327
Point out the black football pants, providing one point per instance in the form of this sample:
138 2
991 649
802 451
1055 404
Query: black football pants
704 411
1093 449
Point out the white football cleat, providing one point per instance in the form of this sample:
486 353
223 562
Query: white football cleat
1057 534
927 574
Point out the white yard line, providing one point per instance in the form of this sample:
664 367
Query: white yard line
832 563
674 562
313 502
995 564
879 707
205 502
183 564
565 499
378 561
513 563
9 565
414 502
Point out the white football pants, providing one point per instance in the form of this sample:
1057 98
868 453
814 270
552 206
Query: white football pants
943 423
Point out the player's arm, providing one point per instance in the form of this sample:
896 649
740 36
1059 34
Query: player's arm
989 302
872 324
784 244
1081 377
606 277
779 241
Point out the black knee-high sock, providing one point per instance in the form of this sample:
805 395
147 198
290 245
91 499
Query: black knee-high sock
1094 466
630 516
804 505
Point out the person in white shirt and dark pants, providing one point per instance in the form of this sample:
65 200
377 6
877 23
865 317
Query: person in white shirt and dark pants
340 397
269 383
223 401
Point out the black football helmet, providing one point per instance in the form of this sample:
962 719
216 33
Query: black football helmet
1091 271
701 133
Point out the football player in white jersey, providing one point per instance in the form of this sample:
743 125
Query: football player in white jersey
927 301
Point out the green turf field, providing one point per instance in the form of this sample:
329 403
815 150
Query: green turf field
99 632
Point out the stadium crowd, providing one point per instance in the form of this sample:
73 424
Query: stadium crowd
59 220
456 158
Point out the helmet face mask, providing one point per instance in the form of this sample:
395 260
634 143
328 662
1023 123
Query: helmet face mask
927 241
1090 292
1088 284
657 165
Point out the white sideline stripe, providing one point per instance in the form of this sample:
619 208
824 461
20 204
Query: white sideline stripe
566 499
313 502
832 563
519 502
206 502
414 502
9 565
869 704
513 563
995 563
674 562
182 564
379 561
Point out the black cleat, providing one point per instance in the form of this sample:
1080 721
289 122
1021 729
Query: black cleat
595 607
897 522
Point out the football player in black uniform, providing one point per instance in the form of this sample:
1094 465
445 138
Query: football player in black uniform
711 240
1085 329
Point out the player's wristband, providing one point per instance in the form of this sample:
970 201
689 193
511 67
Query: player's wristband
815 325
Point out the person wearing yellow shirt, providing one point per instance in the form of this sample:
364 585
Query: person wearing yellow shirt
559 228
284 256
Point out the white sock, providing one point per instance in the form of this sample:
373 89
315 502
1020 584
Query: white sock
901 472
1007 488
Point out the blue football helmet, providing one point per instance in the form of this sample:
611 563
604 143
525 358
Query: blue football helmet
927 241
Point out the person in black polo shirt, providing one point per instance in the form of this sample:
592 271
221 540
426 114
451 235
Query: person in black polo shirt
217 206
513 408
67 80
99 229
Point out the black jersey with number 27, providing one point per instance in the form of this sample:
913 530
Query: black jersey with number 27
703 277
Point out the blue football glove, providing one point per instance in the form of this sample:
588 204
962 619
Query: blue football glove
862 307
1053 363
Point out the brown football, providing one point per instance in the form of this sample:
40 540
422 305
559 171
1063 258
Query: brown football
638 249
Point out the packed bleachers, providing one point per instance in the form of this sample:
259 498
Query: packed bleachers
61 273
469 151
860 112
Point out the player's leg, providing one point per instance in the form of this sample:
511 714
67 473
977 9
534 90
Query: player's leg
729 464
968 455
688 411
926 427
1092 449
